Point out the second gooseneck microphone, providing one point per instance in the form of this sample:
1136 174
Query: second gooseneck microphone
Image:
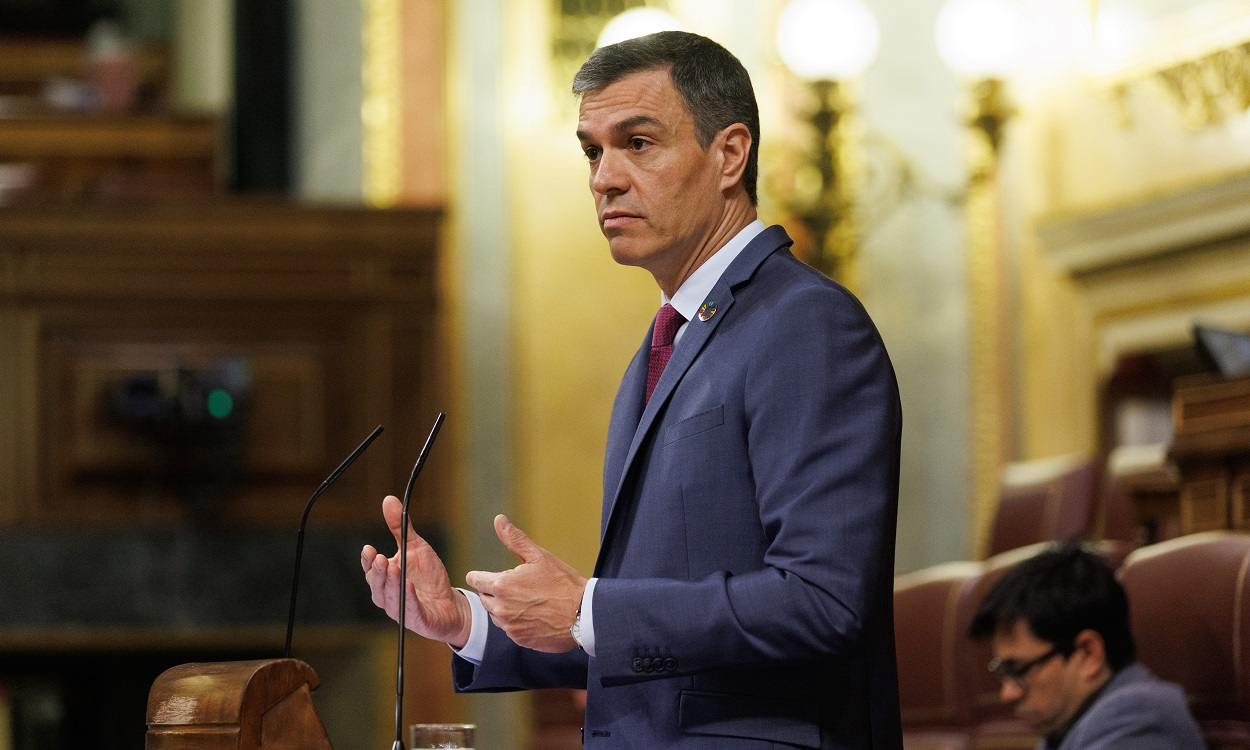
403 583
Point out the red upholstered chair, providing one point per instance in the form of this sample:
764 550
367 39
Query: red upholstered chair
1190 608
926 607
991 720
1044 500
1118 518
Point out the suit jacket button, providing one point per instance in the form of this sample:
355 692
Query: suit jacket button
648 664
670 664
637 664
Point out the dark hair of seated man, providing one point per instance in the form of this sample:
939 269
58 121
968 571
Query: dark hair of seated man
1059 593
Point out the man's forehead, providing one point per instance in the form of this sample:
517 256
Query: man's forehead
1015 634
645 93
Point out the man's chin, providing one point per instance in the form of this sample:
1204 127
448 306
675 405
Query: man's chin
626 252
1037 723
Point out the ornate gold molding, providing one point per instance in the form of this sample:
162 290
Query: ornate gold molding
1099 237
1146 269
1205 90
380 105
1210 88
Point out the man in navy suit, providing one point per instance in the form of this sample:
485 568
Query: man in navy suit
742 594
1058 624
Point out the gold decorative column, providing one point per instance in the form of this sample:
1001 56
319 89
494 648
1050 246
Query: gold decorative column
381 103
988 312
978 39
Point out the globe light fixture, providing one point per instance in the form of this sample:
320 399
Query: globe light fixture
637 22
829 40
978 38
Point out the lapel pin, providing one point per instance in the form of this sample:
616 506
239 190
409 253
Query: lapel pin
707 310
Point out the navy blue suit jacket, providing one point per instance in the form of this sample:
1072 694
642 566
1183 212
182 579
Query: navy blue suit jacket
746 559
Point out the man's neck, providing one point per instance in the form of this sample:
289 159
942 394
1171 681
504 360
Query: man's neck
737 215
1055 737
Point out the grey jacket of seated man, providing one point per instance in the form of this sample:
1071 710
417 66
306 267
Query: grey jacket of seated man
1134 711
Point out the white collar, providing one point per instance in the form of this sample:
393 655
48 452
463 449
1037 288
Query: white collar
694 290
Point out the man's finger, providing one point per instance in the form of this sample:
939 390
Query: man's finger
482 581
517 542
393 514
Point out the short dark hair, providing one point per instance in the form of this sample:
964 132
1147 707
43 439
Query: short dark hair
713 84
1059 593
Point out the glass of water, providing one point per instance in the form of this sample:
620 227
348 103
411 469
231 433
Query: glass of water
422 736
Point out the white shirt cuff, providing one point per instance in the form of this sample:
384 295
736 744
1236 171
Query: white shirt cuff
474 648
588 617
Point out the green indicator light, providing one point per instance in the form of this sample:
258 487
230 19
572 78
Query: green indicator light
219 403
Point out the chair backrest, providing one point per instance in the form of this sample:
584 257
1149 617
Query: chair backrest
1118 519
981 688
928 642
1044 500
1190 612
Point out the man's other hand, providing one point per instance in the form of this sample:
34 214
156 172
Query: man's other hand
535 602
435 610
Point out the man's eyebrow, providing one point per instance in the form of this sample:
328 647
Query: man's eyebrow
626 125
630 123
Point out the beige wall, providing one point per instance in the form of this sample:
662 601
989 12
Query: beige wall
1080 150
576 316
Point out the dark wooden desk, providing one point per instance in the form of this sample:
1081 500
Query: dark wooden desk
1211 448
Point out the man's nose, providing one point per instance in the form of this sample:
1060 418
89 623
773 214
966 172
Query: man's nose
610 174
1010 692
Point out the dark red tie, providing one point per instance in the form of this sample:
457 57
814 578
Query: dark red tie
667 321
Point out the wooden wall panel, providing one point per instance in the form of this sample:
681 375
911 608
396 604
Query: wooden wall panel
333 311
285 431
8 414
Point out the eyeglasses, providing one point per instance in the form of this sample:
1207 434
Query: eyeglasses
1018 672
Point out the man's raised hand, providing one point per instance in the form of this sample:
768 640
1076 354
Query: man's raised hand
435 610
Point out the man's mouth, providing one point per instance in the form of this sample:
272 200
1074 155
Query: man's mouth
617 219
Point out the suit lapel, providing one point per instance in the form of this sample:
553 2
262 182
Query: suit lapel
695 338
626 412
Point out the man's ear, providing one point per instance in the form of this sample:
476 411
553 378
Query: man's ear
1090 643
734 144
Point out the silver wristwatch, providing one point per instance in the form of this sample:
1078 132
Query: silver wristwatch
575 629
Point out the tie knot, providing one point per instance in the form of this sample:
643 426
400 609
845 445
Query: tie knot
667 321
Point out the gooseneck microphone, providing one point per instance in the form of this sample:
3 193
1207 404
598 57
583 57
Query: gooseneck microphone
303 522
403 583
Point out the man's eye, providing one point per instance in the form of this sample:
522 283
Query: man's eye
591 152
638 144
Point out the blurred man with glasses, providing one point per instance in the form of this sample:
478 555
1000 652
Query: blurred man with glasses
1058 626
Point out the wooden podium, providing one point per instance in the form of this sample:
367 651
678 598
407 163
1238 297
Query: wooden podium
241 705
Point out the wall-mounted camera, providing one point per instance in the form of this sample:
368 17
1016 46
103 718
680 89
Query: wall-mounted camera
197 419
